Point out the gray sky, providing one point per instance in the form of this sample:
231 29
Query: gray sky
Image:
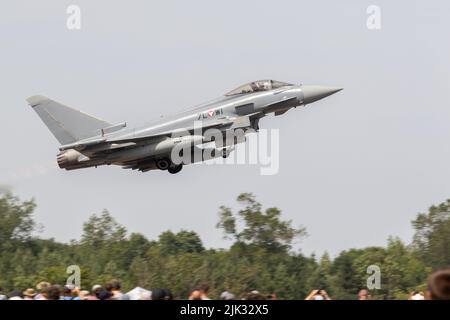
354 168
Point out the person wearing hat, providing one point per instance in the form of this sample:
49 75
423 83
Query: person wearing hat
29 294
42 288
94 291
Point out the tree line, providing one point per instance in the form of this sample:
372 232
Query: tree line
260 258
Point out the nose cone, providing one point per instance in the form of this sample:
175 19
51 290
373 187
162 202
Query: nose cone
314 93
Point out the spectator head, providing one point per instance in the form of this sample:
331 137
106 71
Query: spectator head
168 294
104 295
96 288
227 296
53 292
70 286
42 286
439 285
157 294
254 295
115 285
318 294
66 291
162 294
195 295
15 295
109 286
417 295
204 288
83 294
363 294
29 293
272 296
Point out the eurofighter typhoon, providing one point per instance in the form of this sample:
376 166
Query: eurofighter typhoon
87 141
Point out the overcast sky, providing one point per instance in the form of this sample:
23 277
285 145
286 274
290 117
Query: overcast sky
354 168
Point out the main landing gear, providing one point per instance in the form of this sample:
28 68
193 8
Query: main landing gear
166 164
175 168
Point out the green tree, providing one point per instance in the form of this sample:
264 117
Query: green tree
344 280
102 229
16 221
432 235
401 271
262 228
103 242
181 242
320 278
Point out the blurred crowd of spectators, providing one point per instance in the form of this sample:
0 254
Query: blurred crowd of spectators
438 289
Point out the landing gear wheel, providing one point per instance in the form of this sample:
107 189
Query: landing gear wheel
175 168
224 153
163 164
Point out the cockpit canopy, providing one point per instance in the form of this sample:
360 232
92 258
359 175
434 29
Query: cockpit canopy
260 85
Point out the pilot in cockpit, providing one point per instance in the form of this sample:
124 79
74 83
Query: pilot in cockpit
260 86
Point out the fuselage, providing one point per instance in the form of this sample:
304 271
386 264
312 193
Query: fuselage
222 107
88 141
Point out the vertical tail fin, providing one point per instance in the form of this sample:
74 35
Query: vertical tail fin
67 125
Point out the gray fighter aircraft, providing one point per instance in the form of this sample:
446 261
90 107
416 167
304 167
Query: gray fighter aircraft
90 142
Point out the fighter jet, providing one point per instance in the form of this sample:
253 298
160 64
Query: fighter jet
87 141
